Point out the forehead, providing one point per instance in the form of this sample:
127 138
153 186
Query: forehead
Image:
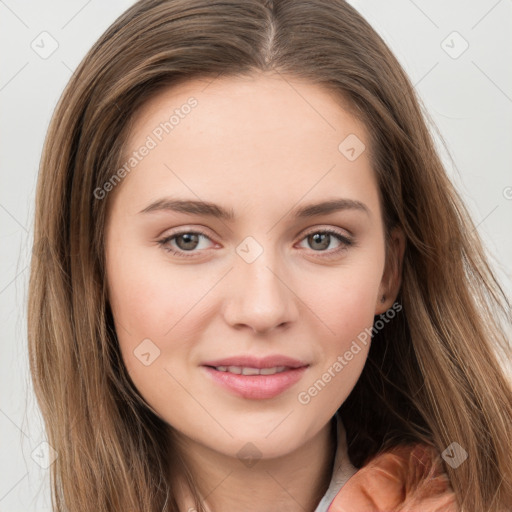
257 104
251 134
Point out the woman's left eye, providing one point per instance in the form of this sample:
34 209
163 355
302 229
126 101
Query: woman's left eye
187 241
321 239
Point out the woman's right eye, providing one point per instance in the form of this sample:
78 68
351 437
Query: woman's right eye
186 242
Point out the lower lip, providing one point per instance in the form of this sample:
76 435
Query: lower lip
257 387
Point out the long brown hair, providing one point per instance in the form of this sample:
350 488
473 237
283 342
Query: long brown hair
432 375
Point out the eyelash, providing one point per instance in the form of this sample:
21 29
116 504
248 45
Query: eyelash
345 241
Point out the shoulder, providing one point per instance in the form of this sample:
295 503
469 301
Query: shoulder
406 478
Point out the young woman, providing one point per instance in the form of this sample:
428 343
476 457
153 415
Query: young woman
253 285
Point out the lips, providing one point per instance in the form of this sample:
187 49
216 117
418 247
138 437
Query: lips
255 378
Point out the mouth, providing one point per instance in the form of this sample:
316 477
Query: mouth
257 380
244 370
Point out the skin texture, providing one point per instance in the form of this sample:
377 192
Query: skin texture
262 146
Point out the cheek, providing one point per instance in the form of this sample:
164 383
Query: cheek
348 311
147 298
346 307
144 310
137 299
158 314
347 298
349 302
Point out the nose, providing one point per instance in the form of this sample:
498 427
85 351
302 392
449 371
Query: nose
260 296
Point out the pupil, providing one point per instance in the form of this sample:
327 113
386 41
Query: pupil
190 238
317 238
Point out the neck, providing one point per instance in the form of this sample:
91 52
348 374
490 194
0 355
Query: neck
294 482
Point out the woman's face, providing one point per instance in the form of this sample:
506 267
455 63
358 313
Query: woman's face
215 250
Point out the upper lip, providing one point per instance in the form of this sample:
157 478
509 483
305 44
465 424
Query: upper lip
247 361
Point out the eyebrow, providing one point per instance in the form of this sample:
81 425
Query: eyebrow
214 210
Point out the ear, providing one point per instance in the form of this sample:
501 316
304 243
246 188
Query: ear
392 275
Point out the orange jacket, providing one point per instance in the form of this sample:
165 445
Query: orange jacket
405 479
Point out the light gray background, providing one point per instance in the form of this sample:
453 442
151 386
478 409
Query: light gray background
468 97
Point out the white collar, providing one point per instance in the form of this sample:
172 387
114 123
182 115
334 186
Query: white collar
342 470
